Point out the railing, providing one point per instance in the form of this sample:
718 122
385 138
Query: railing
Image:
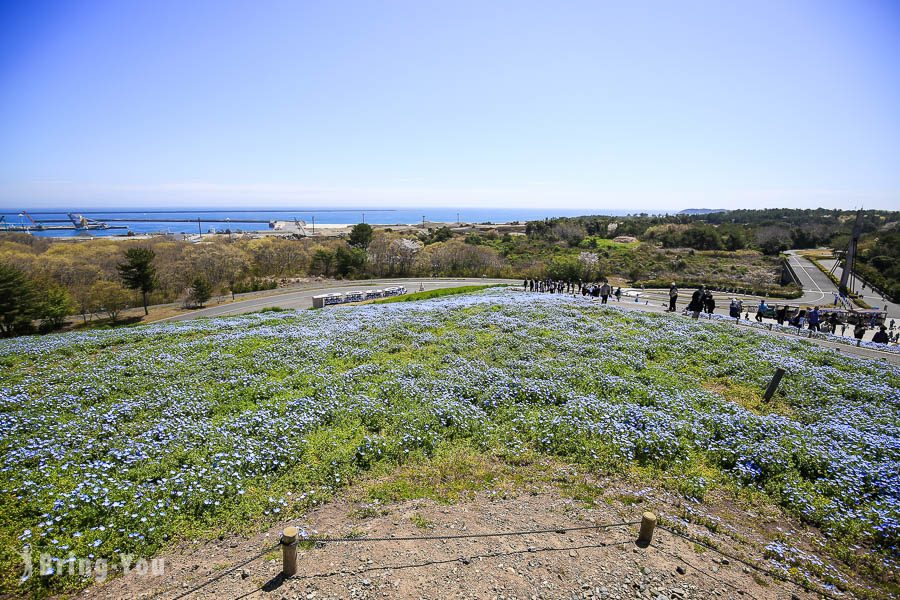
291 538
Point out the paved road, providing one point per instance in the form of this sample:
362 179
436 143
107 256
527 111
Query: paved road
868 295
820 281
302 299
817 288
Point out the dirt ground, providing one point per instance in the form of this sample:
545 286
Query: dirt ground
603 563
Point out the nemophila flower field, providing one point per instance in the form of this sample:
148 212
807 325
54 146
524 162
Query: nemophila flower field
118 441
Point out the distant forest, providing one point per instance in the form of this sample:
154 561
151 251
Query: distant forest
770 231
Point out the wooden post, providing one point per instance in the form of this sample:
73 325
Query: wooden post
648 524
773 385
289 551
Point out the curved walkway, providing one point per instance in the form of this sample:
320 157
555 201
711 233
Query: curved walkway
302 299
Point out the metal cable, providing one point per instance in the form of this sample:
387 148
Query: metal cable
701 571
498 554
424 538
219 576
751 565
458 536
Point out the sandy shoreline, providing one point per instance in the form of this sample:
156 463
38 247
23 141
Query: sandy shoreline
289 228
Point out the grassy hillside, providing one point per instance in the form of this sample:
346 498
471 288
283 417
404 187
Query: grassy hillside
123 440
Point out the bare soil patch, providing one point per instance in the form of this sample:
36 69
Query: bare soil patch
600 563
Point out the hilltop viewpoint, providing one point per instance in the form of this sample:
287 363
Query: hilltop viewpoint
462 418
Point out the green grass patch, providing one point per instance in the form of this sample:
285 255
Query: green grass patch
438 293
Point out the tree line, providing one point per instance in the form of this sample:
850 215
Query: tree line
770 231
46 280
54 279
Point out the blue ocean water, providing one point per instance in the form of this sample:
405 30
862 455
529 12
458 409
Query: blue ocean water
202 220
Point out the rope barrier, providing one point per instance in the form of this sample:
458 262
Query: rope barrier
458 536
701 571
498 554
425 538
556 530
219 576
763 570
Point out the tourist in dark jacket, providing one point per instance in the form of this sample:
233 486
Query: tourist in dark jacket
734 309
673 297
881 336
781 314
709 304
695 306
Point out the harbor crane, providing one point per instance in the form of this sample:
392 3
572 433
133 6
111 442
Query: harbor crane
82 222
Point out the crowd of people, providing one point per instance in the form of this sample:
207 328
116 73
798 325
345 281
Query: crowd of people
812 318
702 302
599 290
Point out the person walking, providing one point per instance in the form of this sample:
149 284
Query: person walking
859 331
673 297
695 306
618 294
734 310
781 314
814 318
881 336
709 303
761 309
833 322
605 291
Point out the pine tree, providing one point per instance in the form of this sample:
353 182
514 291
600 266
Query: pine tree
360 235
138 272
201 291
18 300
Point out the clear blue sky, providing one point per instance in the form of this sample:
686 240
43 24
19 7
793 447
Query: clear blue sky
596 104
